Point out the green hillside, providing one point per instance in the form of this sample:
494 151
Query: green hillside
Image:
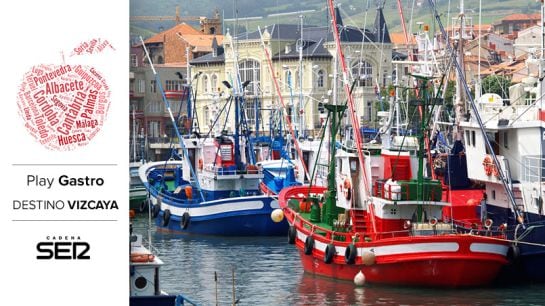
355 12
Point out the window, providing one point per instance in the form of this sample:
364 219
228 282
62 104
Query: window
153 86
468 140
506 140
287 79
134 60
173 85
141 86
205 83
250 70
206 115
155 107
250 111
363 72
369 111
473 138
298 78
214 83
320 79
153 128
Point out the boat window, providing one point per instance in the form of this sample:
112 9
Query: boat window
506 140
493 194
473 138
353 165
467 138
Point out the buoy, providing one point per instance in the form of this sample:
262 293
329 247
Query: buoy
359 279
132 213
368 258
277 215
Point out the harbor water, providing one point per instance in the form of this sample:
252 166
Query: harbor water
267 271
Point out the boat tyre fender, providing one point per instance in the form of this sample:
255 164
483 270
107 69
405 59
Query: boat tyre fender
185 220
292 232
350 254
143 206
309 245
513 253
155 211
166 217
329 253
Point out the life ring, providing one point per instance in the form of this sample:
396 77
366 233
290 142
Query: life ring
185 220
347 189
140 257
155 211
201 164
166 217
143 206
329 253
309 245
292 233
350 254
488 165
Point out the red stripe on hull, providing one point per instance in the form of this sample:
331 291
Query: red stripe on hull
427 272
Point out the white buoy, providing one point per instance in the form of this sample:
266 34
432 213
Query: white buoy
277 215
359 279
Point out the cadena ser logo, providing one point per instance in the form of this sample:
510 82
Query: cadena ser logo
58 247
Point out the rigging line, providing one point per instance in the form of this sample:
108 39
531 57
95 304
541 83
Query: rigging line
167 105
353 114
280 97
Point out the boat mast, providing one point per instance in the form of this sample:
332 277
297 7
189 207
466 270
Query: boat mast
300 111
133 135
459 105
351 105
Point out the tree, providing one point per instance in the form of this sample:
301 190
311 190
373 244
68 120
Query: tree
497 84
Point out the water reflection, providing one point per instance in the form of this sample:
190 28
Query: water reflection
268 272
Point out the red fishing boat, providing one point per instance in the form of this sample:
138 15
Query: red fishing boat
394 232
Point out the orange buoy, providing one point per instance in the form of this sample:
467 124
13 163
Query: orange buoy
132 214
188 192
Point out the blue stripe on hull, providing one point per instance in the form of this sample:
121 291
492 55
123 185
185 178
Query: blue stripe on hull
531 262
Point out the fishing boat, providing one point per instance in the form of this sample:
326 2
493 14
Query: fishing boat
380 220
505 152
394 234
504 148
145 277
212 187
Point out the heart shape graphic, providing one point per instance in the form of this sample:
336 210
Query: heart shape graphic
63 106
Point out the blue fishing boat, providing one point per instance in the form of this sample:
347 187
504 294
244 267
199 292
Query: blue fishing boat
212 187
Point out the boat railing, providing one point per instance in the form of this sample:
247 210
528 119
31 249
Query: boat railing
491 111
181 300
407 190
533 166
174 197
228 171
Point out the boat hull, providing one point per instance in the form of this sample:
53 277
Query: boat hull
240 216
528 258
433 262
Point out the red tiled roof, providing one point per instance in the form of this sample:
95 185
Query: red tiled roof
514 17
